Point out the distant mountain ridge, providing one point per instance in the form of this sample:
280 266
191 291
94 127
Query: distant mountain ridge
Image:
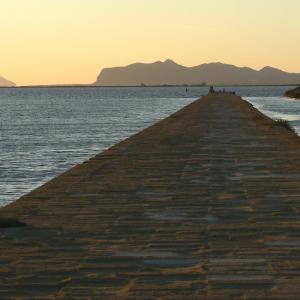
171 73
6 83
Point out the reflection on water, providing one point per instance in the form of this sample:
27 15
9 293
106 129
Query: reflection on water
45 131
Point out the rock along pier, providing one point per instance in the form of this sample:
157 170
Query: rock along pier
204 204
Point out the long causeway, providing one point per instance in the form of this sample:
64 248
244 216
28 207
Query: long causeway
203 205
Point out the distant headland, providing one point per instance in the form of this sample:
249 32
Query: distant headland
295 93
170 73
6 83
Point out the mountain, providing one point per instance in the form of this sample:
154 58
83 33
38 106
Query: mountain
6 83
171 73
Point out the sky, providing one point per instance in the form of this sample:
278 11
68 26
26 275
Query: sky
70 41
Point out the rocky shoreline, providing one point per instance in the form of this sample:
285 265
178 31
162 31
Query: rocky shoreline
295 93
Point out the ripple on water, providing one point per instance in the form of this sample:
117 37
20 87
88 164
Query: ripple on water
44 132
279 108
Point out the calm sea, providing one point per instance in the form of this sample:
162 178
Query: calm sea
45 131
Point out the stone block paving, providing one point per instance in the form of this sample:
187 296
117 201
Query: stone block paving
203 205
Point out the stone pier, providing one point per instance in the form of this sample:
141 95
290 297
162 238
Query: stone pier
204 204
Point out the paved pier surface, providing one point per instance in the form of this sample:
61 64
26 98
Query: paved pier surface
203 205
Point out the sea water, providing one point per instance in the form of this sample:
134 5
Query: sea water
45 131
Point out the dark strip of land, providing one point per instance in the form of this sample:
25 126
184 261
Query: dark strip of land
204 204
145 86
294 93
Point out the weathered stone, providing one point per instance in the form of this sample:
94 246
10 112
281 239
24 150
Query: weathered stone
202 205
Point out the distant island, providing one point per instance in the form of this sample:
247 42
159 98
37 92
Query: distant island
295 93
170 73
6 83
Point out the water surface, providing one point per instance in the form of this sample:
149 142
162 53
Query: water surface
45 131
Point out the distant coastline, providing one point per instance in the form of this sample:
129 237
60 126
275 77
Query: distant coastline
145 86
169 73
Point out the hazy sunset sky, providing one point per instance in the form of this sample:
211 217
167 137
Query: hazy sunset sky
70 41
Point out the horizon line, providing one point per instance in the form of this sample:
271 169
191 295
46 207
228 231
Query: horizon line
142 86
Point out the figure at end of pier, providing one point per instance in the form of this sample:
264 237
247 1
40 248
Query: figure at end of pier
211 90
